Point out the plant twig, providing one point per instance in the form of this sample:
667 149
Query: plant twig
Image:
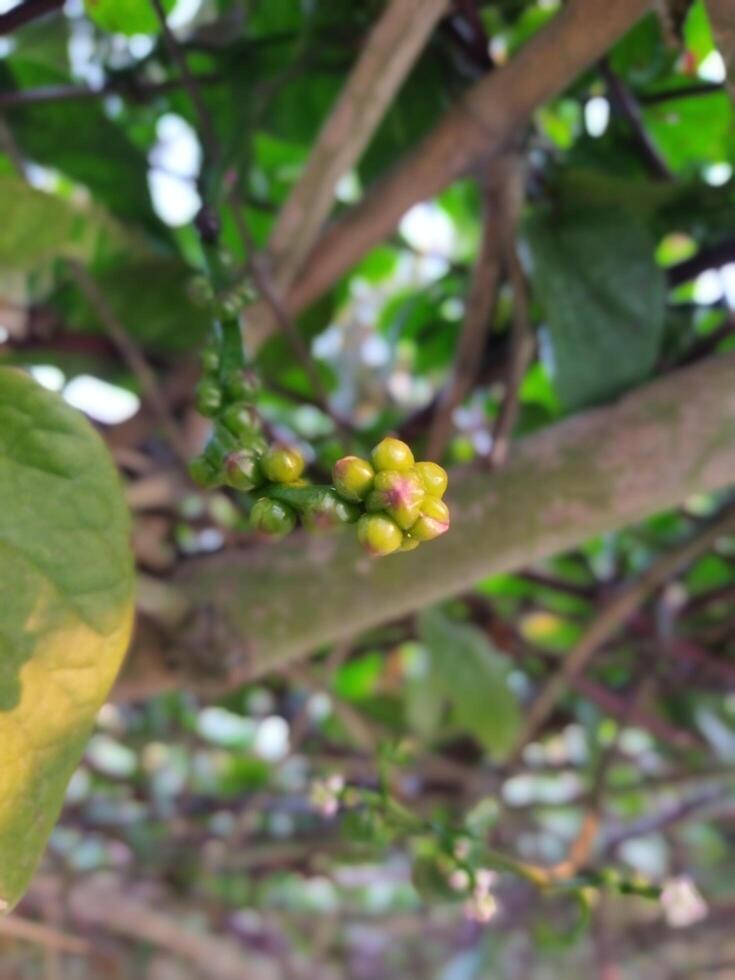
481 126
130 88
132 356
24 13
624 101
612 616
190 83
28 931
481 300
105 905
521 339
722 18
387 56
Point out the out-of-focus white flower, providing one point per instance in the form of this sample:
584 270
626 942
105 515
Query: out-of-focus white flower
682 902
484 880
325 794
459 880
480 908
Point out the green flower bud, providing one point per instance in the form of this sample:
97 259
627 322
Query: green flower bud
325 509
434 520
353 477
208 397
282 465
210 360
203 472
240 419
242 470
200 291
392 454
400 495
272 517
433 477
409 543
379 535
241 385
220 445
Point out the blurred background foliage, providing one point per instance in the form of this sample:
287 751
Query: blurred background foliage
332 819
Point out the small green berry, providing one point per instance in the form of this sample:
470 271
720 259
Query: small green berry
272 517
208 397
399 494
433 477
409 543
434 520
379 535
203 472
282 465
210 360
242 470
353 477
392 454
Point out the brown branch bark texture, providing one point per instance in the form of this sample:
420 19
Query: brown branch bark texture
593 473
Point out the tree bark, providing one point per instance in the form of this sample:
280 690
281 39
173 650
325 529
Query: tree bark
593 473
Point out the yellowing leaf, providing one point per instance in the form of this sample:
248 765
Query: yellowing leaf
66 588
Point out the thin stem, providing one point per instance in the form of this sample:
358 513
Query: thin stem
190 83
612 616
132 356
128 88
521 340
24 13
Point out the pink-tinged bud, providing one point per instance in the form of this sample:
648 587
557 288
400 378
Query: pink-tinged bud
399 494
433 522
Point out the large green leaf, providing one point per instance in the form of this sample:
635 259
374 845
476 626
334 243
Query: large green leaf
691 133
39 227
66 583
604 296
151 297
126 16
81 141
473 676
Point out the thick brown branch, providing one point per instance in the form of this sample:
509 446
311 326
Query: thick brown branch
480 126
722 17
593 473
387 57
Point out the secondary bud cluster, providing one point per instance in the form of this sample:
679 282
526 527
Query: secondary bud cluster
402 499
232 457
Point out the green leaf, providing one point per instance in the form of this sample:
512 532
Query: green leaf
81 141
595 273
691 132
67 585
152 297
126 16
39 227
474 677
